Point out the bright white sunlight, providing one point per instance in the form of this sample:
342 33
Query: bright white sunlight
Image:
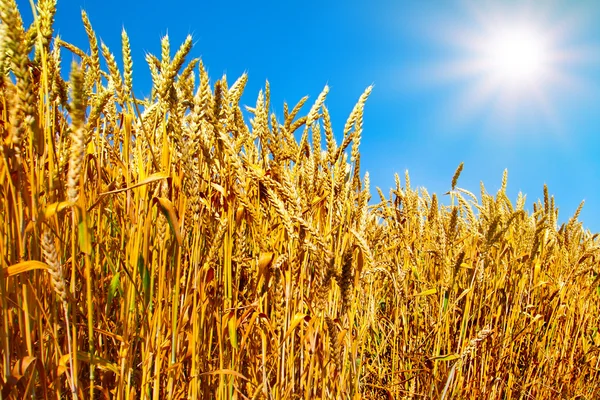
516 56
514 64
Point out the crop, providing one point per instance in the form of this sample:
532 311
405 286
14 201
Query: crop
181 246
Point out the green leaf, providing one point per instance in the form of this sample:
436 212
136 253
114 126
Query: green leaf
115 284
145 276
446 300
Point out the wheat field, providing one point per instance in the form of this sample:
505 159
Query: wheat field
187 246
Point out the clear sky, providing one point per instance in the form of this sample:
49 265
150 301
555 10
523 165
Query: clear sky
496 84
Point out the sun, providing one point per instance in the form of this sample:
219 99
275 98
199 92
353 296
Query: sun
516 55
511 62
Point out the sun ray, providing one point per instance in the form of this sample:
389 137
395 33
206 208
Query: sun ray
512 63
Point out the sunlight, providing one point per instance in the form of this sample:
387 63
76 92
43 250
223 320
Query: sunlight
516 55
514 64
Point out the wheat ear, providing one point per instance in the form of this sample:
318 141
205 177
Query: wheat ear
60 288
77 110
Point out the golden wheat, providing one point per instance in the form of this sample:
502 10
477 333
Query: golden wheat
208 257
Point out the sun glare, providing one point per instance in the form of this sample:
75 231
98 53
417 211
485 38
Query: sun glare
516 56
514 63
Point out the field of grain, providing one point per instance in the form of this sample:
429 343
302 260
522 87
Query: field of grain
186 246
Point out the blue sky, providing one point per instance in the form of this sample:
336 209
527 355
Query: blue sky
442 92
